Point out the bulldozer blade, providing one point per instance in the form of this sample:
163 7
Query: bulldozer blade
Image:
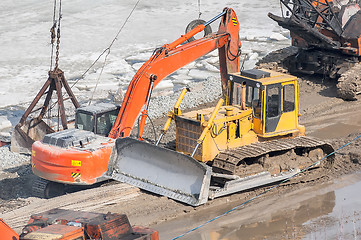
24 136
160 170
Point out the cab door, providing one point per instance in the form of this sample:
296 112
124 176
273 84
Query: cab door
281 110
273 107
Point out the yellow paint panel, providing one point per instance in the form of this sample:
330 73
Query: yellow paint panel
33 153
76 163
235 22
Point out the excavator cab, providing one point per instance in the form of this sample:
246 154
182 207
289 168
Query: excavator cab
98 118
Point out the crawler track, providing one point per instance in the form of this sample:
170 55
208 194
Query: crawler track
43 188
273 156
343 69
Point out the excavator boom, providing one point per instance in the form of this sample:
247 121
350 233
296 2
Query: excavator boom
157 169
171 57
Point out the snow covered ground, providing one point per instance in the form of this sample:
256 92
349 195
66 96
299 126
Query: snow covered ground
88 27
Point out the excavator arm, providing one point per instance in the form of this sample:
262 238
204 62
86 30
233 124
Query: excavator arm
171 57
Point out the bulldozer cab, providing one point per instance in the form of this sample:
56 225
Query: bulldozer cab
98 118
273 98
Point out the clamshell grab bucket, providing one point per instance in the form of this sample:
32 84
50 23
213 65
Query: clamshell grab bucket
24 136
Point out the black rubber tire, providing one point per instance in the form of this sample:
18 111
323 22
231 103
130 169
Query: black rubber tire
195 23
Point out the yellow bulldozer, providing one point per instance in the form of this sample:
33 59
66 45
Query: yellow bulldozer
254 139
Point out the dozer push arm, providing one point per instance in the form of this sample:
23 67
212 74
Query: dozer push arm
209 125
171 115
171 57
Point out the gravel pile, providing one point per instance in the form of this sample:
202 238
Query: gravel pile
10 159
201 92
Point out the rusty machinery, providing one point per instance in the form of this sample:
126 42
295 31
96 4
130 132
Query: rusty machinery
328 40
31 129
64 224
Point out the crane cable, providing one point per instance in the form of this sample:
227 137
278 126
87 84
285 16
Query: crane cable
199 9
53 36
267 190
107 52
58 38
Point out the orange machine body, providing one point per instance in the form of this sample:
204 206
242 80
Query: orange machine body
7 232
86 164
70 165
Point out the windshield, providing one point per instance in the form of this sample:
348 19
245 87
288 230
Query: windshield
105 122
253 98
84 121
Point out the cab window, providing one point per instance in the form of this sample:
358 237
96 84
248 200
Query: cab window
237 91
273 100
256 102
84 121
105 122
249 96
288 98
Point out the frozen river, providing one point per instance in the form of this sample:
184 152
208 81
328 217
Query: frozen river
88 27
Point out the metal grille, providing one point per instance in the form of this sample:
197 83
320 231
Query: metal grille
187 134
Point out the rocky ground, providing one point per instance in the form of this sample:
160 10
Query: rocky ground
324 116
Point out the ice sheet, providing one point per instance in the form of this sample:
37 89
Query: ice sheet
88 27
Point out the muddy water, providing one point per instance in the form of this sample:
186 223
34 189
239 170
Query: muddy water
335 123
344 222
335 130
329 211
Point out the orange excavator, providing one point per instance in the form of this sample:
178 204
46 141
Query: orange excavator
80 156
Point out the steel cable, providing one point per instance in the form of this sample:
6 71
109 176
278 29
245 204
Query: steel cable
52 31
108 48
